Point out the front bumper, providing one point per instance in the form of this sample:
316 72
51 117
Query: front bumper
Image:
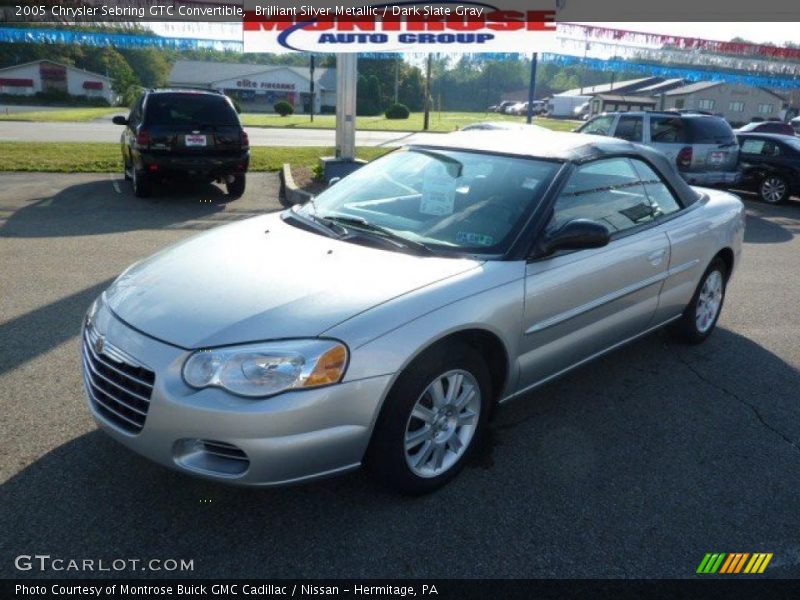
289 438
712 178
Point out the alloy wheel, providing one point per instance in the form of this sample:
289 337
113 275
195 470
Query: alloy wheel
442 423
773 190
709 301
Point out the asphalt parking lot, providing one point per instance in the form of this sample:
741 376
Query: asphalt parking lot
633 466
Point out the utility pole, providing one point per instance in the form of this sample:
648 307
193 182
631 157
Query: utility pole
397 79
426 119
311 87
532 87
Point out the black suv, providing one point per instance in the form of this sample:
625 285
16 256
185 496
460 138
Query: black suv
184 132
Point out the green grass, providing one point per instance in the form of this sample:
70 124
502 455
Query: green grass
439 121
74 115
445 121
50 157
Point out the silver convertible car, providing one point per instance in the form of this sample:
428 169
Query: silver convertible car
382 322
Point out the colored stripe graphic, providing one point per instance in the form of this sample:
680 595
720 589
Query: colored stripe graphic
734 562
711 563
758 563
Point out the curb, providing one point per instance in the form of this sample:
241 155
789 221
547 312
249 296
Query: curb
290 193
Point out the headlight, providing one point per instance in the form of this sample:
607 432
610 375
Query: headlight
268 368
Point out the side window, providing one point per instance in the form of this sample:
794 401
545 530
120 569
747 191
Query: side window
661 198
136 113
666 130
598 126
629 128
606 191
771 149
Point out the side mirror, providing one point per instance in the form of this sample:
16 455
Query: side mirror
578 234
119 120
334 181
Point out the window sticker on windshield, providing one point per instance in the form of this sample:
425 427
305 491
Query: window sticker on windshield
438 195
529 183
474 239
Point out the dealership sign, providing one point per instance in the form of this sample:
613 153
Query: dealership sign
401 27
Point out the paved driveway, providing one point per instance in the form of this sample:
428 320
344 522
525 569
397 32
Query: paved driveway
633 466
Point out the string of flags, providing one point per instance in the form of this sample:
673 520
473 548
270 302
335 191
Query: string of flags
687 58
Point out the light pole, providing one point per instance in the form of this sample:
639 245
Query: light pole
311 86
532 87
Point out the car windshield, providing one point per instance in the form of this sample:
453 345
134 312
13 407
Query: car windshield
794 143
467 202
187 109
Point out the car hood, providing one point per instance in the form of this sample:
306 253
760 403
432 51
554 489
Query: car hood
263 279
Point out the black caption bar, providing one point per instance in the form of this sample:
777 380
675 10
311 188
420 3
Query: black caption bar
439 589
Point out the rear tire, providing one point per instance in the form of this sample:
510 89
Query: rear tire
431 421
701 315
237 186
142 186
773 189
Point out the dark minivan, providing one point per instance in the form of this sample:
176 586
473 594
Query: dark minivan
190 133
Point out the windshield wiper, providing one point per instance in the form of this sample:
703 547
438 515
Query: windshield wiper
365 226
311 223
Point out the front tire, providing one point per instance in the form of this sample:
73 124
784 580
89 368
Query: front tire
702 313
431 421
773 189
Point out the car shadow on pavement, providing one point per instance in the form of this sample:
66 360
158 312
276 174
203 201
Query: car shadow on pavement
42 329
631 449
771 224
109 206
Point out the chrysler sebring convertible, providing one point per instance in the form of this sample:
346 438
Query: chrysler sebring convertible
381 323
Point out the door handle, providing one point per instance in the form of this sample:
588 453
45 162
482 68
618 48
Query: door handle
656 257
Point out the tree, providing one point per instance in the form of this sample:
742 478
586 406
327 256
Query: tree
151 66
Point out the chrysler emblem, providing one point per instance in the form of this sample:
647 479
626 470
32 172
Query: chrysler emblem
99 344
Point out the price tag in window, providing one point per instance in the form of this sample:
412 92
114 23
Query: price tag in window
438 195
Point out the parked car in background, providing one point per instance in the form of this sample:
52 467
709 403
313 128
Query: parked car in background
502 126
501 108
382 323
770 165
581 112
795 123
767 127
702 147
520 108
188 133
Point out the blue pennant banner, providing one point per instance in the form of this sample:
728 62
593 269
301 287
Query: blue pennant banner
117 40
692 73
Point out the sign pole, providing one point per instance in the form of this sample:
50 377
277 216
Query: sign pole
346 82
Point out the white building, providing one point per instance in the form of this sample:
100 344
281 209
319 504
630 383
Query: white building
43 76
258 87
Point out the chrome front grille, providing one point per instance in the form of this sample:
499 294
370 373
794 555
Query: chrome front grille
119 389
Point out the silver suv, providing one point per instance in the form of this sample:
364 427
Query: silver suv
702 147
